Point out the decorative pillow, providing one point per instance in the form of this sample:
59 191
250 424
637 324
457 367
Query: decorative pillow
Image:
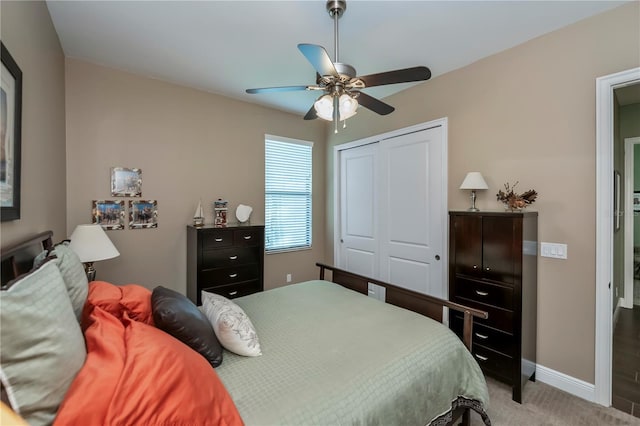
231 325
42 344
180 317
75 278
136 374
132 299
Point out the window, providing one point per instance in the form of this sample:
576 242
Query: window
287 194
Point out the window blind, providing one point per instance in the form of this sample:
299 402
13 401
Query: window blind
288 171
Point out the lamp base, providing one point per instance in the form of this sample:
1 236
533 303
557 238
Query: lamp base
473 202
473 209
90 271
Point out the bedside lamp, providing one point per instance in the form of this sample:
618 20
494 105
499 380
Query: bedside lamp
91 244
473 181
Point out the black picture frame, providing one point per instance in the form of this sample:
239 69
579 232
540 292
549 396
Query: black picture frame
10 136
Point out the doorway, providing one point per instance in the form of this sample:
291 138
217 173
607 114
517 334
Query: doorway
605 136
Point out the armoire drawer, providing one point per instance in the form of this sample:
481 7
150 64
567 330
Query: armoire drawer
489 337
231 291
484 292
246 237
229 257
494 363
228 275
499 318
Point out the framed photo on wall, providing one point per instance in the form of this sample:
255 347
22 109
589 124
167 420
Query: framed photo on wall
126 182
108 213
10 136
143 214
636 201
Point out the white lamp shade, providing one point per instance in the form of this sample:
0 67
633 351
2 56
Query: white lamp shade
348 106
324 107
474 180
91 244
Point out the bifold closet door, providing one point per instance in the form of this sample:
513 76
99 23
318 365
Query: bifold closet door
411 206
392 225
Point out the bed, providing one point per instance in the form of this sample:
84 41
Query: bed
329 356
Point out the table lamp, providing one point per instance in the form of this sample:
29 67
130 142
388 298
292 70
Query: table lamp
473 181
91 244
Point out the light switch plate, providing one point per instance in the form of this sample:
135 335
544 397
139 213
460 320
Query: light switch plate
553 250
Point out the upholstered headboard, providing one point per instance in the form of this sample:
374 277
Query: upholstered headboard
18 258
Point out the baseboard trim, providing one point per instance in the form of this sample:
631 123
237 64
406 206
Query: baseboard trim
566 383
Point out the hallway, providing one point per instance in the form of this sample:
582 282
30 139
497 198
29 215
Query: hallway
626 362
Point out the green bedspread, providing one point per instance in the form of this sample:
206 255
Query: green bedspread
332 356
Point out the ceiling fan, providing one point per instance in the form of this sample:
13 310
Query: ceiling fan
338 81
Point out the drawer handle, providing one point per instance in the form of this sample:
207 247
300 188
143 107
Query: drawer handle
247 237
488 269
482 336
233 275
475 266
233 257
482 293
218 240
481 358
233 293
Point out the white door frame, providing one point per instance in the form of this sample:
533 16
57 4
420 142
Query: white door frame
629 161
604 227
441 122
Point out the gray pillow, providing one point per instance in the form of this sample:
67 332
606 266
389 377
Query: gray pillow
73 274
42 344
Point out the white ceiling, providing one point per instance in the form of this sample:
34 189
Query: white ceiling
226 47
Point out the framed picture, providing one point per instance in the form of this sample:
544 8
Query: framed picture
616 201
10 136
108 213
126 182
143 214
636 201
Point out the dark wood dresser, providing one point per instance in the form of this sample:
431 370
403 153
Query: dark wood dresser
493 267
228 261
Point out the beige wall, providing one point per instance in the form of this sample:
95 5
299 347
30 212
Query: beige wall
28 33
190 145
528 115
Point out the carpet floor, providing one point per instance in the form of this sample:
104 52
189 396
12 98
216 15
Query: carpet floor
544 405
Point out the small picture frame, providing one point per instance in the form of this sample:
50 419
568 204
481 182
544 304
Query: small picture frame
143 214
126 182
636 201
108 213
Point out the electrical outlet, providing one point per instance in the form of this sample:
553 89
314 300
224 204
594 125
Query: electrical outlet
288 278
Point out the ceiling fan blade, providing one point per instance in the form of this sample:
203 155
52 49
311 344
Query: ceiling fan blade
398 76
278 89
319 58
311 114
374 104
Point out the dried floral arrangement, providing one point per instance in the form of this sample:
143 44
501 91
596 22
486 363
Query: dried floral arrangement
514 201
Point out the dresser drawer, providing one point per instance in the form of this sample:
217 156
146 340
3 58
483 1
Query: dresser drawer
494 363
501 319
235 290
490 294
246 237
228 275
217 238
229 257
489 337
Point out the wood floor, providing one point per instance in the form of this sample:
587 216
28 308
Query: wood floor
626 362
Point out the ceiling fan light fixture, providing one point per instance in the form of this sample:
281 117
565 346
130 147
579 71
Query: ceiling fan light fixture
348 106
324 107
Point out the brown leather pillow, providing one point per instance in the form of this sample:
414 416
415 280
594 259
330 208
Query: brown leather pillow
180 317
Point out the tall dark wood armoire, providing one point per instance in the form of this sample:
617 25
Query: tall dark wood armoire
493 267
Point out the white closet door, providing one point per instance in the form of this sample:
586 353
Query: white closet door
358 245
411 221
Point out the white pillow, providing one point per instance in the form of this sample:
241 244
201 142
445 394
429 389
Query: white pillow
232 326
